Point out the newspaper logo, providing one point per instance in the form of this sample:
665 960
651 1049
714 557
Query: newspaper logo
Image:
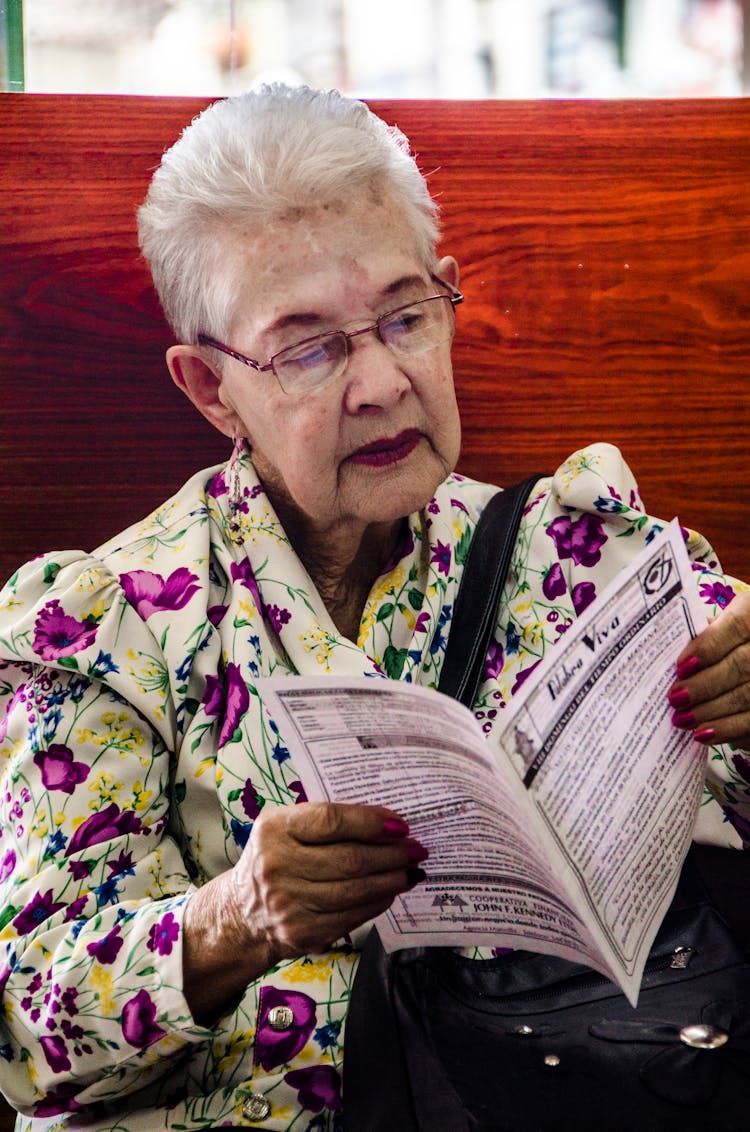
658 573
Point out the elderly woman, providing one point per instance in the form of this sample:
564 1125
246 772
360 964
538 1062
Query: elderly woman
177 918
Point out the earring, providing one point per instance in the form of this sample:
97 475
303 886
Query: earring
235 492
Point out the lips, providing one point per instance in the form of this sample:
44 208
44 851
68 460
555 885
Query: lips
388 450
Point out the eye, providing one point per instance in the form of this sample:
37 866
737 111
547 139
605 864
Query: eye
403 324
312 354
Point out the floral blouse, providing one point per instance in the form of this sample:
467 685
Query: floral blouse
136 754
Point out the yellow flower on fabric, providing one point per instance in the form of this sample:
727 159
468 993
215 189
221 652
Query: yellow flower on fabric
97 611
409 617
141 797
102 982
313 970
205 764
522 603
227 1053
578 463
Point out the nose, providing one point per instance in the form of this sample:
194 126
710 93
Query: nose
375 378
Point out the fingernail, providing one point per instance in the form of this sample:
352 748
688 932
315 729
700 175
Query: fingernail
416 853
679 697
683 719
414 876
688 667
705 735
394 827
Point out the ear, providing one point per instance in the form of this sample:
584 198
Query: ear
202 385
447 269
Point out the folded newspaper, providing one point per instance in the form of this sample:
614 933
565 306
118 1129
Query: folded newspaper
564 833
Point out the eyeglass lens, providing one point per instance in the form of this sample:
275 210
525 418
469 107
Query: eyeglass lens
408 330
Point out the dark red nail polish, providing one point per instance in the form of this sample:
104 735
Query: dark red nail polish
679 698
414 876
683 719
394 827
705 735
416 853
688 668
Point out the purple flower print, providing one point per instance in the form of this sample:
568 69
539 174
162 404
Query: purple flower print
717 594
18 697
493 665
104 825
42 906
59 1100
138 1021
554 584
242 572
163 935
742 825
7 864
317 1087
580 540
74 910
277 1047
583 594
741 765
59 771
297 788
216 613
108 948
149 593
213 696
278 617
441 555
56 634
229 698
252 802
121 865
218 485
53 1048
522 677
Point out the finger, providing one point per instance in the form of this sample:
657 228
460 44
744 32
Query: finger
323 913
730 630
728 675
355 860
324 823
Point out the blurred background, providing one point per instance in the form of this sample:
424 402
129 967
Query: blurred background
380 48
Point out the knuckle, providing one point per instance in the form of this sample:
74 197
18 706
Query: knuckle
351 861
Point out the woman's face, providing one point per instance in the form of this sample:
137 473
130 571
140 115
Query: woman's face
374 444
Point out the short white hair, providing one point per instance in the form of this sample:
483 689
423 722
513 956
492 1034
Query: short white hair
252 159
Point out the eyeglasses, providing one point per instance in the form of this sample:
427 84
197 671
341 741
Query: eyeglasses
314 362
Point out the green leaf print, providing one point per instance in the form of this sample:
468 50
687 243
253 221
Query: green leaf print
393 661
462 547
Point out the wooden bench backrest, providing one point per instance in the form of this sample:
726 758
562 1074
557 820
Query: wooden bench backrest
605 255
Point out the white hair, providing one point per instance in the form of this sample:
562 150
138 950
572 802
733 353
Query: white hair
254 158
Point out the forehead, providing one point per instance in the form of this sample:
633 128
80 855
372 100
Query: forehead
336 261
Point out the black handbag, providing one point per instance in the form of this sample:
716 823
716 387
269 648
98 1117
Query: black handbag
436 1042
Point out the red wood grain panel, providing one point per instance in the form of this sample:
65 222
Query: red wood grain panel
605 255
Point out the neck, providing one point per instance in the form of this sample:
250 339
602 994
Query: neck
343 562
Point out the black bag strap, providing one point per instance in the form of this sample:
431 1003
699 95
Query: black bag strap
475 607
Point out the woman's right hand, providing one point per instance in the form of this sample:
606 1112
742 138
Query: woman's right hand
308 875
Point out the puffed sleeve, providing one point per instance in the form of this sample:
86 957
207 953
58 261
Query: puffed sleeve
93 883
582 526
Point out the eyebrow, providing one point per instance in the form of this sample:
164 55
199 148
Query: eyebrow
313 318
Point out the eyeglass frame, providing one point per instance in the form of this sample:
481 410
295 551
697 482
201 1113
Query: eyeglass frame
455 297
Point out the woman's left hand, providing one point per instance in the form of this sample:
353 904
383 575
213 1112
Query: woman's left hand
711 696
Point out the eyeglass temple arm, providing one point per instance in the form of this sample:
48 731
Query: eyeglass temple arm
455 295
206 340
